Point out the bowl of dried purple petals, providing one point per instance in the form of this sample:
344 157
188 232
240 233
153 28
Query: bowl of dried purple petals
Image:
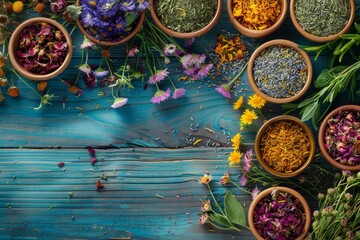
339 137
40 49
279 213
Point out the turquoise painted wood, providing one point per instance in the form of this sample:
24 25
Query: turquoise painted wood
145 150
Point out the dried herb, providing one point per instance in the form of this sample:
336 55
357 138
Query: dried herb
342 137
284 146
280 72
256 14
279 215
322 17
185 16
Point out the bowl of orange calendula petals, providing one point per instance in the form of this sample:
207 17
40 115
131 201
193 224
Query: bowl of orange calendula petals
257 18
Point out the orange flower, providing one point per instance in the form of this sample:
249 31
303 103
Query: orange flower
42 85
39 7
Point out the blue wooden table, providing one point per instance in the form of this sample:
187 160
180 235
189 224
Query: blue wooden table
152 167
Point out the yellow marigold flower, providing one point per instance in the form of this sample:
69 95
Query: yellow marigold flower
18 6
256 101
238 103
248 116
236 140
235 158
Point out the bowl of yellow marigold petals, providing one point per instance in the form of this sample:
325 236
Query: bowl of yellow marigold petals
255 18
285 146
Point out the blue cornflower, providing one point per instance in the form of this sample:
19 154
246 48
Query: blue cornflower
127 6
108 8
142 5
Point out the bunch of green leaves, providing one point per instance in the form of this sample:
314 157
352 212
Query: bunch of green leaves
333 80
231 217
338 216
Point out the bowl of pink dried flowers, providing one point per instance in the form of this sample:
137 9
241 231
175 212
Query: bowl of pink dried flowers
40 49
339 137
279 213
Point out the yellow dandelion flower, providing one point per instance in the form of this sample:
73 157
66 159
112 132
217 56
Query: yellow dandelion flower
235 158
236 140
248 116
18 6
256 101
238 103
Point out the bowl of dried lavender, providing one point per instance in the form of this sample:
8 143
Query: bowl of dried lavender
285 146
323 20
339 137
257 19
185 19
40 49
279 213
279 71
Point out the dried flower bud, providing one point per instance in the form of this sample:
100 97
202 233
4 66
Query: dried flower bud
337 175
358 175
344 222
357 235
346 173
350 234
13 91
331 191
334 213
347 206
315 224
348 196
321 196
206 206
325 212
338 238
350 179
3 82
2 97
204 218
316 214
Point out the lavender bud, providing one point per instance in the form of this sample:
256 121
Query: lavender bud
321 196
331 191
316 214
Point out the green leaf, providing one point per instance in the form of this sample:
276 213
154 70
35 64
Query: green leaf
289 106
234 209
74 11
307 101
220 219
323 79
357 26
309 111
130 18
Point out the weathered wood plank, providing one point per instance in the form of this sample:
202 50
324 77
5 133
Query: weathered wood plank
33 196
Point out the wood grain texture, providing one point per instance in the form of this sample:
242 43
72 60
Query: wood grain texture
31 183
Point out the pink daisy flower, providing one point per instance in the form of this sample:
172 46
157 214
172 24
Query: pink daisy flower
158 76
85 68
86 43
133 51
178 93
224 90
161 96
119 102
169 49
204 71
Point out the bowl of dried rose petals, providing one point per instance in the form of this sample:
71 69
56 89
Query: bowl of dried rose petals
285 146
279 213
257 19
40 49
339 137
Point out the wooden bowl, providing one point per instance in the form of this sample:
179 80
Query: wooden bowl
331 160
268 191
257 33
309 135
137 27
284 43
187 35
315 38
14 45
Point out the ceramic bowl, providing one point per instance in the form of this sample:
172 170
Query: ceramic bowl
295 194
14 45
311 147
257 33
315 38
321 140
186 35
283 43
111 43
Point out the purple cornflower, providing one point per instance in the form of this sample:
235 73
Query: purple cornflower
127 6
88 16
142 5
119 26
160 96
158 76
119 102
224 90
107 8
178 93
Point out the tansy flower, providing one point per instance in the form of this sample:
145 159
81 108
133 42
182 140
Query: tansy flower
18 6
119 102
224 90
238 103
234 158
206 206
248 116
225 178
236 140
206 179
256 101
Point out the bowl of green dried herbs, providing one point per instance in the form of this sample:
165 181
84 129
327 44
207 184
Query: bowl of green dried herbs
185 19
257 19
279 71
285 146
322 20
